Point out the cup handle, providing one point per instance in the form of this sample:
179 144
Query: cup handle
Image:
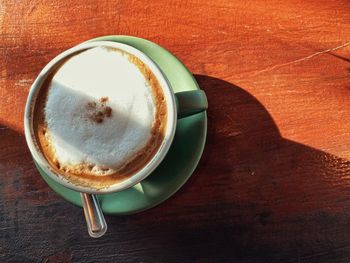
190 102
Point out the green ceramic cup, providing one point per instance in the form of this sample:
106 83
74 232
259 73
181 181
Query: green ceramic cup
179 105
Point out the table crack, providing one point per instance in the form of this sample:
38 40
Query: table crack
301 59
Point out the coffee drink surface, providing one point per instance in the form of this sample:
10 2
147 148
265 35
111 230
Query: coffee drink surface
100 117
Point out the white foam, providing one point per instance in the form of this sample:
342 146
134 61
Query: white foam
87 77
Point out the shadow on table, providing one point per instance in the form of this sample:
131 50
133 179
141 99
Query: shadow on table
255 197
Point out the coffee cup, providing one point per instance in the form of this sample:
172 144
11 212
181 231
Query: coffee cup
56 131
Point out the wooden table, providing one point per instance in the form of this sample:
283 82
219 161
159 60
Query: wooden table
274 181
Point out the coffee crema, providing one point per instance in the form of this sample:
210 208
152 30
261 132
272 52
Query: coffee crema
100 117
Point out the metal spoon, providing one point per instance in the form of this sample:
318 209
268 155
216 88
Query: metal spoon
95 220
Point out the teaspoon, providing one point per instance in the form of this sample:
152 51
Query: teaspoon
95 220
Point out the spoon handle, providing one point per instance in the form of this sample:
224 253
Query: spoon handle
95 220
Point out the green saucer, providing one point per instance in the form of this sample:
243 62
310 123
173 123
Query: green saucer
182 157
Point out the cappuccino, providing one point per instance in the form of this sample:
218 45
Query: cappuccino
100 117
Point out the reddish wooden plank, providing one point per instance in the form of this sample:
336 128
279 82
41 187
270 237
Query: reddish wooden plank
273 184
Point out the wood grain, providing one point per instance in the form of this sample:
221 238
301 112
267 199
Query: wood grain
274 181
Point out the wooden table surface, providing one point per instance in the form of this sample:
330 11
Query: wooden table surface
273 184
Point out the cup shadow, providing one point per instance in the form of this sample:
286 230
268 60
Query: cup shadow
255 194
245 147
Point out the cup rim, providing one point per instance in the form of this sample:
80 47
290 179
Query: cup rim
141 174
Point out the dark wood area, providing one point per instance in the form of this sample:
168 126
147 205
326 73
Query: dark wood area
273 184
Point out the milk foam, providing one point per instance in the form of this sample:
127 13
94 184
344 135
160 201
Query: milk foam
99 110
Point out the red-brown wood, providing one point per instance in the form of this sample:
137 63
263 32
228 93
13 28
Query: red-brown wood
274 181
